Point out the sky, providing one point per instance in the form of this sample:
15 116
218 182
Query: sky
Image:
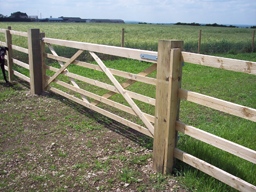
150 11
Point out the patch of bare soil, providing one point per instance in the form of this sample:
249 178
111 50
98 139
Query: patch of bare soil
49 143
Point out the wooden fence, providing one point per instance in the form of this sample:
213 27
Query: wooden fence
163 127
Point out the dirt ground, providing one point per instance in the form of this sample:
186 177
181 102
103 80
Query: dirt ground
49 143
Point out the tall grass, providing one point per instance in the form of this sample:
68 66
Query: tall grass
214 39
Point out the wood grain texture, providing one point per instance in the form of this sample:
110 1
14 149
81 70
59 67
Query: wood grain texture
169 68
105 49
220 62
218 104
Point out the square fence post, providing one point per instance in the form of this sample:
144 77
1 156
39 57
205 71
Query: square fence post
43 56
169 71
8 38
35 61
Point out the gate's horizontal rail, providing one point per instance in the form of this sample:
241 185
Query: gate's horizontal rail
20 33
213 171
133 95
225 145
24 77
218 104
102 99
105 49
3 44
127 75
103 112
21 49
20 63
220 62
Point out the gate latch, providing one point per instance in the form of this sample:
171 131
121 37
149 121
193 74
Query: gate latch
149 57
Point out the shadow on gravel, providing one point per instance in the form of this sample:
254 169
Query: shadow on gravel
108 123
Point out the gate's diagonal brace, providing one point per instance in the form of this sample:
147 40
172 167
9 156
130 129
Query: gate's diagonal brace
72 59
71 79
128 83
123 92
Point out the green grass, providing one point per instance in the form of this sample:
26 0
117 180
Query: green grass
214 39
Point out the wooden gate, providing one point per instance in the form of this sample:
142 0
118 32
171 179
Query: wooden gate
118 88
163 127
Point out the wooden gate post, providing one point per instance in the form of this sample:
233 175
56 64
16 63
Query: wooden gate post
122 40
253 35
169 70
8 38
43 56
199 41
35 61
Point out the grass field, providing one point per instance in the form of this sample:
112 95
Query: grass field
231 86
214 39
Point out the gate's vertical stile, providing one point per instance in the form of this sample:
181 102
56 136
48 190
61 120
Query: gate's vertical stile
43 55
8 38
169 67
35 61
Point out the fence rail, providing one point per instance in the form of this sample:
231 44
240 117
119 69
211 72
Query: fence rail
165 124
220 62
218 104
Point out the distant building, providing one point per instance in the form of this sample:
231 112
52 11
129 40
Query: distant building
51 20
72 19
35 17
19 15
105 21
79 20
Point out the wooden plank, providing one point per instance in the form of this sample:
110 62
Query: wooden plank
199 41
169 68
124 93
20 33
2 30
218 104
110 50
213 171
122 39
8 38
103 112
35 62
127 75
253 35
21 49
128 83
102 99
24 77
43 60
220 62
71 79
231 147
3 44
133 95
73 58
20 63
